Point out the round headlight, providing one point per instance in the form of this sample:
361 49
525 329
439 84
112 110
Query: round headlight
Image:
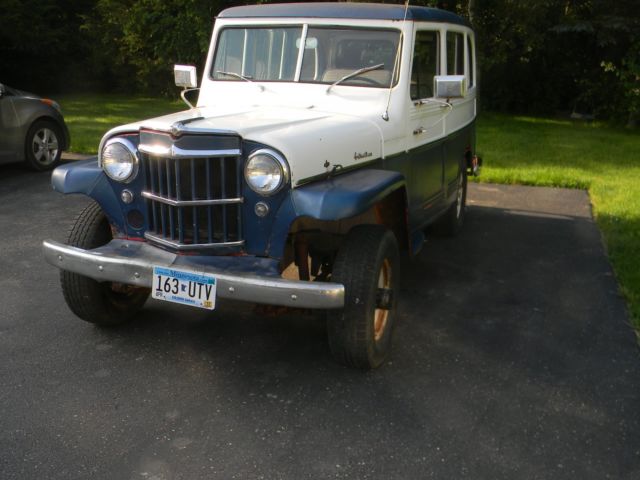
266 172
118 160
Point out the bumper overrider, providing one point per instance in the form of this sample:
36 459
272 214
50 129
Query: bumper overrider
132 263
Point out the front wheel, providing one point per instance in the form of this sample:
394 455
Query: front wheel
368 265
101 303
43 148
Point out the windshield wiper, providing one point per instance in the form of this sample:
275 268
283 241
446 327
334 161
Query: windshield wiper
241 77
355 74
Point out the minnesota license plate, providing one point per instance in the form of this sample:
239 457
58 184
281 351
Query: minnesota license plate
187 288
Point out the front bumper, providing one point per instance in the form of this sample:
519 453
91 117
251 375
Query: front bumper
132 263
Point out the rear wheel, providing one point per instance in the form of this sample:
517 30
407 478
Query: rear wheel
101 303
367 264
451 222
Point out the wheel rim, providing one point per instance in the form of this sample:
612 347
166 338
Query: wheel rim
44 146
381 313
459 197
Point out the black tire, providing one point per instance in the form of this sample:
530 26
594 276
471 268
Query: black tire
43 145
360 334
453 219
100 303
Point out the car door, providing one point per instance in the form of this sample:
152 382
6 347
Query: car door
8 128
459 61
426 128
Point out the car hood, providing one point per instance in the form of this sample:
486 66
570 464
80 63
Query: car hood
312 141
21 93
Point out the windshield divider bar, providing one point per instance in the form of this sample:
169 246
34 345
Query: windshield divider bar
303 44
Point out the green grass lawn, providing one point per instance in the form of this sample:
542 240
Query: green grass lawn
523 150
89 117
559 153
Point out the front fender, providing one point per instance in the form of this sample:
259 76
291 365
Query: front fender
345 195
86 177
335 198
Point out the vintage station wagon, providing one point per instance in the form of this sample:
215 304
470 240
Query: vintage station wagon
325 140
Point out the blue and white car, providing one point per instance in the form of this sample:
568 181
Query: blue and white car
325 139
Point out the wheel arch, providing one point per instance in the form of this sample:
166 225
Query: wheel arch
346 195
87 178
66 137
337 204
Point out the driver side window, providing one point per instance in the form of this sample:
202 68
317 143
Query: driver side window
425 64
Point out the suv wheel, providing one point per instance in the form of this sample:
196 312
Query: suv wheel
367 264
101 303
451 222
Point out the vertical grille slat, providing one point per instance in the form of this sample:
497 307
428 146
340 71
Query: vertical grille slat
151 182
214 182
163 207
223 192
209 197
179 209
170 182
238 210
160 169
194 196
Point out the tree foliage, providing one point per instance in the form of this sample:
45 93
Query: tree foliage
38 42
550 56
538 56
142 39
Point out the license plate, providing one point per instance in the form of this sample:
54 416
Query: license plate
187 288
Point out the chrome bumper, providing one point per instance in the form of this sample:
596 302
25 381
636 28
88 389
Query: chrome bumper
132 263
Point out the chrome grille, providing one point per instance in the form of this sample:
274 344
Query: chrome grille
194 202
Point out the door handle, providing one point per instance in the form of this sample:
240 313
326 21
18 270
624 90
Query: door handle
419 131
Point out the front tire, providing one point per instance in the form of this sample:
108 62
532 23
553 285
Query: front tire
368 265
43 148
100 303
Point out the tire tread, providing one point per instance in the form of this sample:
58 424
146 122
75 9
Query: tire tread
85 296
350 332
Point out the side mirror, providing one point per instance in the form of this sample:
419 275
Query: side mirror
185 76
450 86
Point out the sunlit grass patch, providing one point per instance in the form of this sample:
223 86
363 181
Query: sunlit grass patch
89 117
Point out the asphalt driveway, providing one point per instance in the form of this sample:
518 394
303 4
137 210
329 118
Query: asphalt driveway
513 359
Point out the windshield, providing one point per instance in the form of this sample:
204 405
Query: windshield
272 54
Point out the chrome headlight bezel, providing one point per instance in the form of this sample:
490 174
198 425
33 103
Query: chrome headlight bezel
118 153
270 186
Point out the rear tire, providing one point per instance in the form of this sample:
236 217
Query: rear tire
451 222
100 303
368 265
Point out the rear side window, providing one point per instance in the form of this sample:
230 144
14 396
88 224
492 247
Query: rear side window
455 53
425 64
